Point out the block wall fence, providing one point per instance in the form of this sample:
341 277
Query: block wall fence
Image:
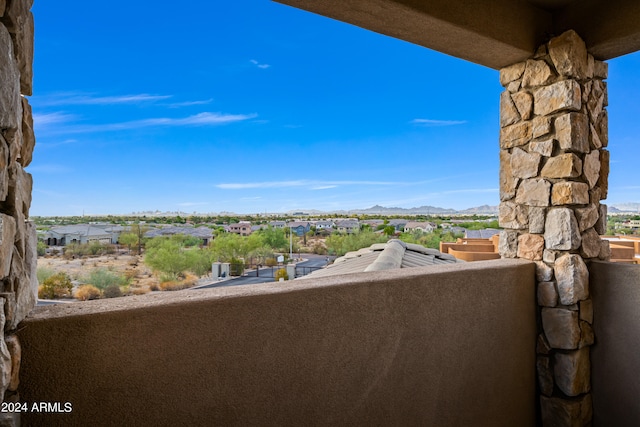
18 257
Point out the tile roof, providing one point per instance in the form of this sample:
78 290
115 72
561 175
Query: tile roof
384 256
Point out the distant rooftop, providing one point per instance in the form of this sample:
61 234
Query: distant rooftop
385 256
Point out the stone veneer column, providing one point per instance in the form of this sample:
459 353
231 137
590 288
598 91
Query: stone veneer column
553 174
18 257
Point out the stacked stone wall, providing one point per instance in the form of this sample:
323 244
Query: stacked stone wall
18 281
553 175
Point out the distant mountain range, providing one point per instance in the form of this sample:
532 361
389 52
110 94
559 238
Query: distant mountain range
422 210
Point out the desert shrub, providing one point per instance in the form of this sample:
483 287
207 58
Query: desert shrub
41 248
168 277
236 267
112 291
140 290
172 286
319 249
198 261
56 286
190 280
101 278
270 262
281 273
87 292
44 273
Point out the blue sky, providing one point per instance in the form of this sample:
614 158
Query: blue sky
253 106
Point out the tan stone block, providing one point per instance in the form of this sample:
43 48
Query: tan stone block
569 193
543 147
594 139
10 103
7 239
511 73
28 137
601 223
542 345
508 111
530 246
547 294
561 230
590 244
544 273
15 351
561 328
5 356
545 375
512 215
600 69
572 371
541 126
566 165
603 181
558 412
508 244
523 164
587 217
19 21
564 95
569 55
508 182
572 132
549 256
4 173
513 87
524 103
534 192
590 66
587 337
586 91
591 167
602 127
586 311
572 278
537 73
515 135
605 251
537 217
594 195
596 100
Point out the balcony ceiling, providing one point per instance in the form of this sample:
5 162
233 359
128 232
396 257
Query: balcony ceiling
493 33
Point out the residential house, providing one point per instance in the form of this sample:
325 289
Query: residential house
203 233
348 226
324 225
81 233
299 227
425 227
278 224
398 224
242 228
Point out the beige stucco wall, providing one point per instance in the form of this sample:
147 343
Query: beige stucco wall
444 346
615 358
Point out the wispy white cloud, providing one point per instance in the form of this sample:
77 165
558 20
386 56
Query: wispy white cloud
190 103
46 119
73 98
259 65
317 185
431 122
52 168
201 119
